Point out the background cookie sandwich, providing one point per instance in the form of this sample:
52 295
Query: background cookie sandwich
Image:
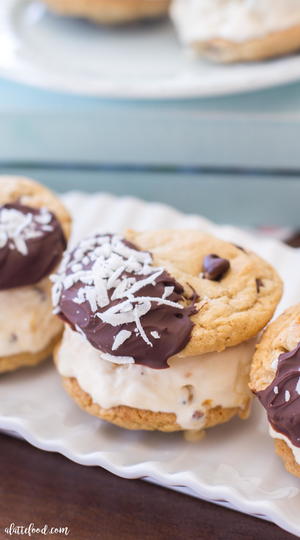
34 228
159 327
275 378
238 30
110 11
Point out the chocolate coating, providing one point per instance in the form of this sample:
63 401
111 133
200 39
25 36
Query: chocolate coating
41 253
281 398
214 267
171 325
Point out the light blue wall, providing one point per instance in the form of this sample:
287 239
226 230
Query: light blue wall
239 200
234 159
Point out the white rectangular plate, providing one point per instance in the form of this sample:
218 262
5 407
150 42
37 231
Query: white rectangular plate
234 465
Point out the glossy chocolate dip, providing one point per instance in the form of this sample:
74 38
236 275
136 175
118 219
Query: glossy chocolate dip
281 398
131 311
31 245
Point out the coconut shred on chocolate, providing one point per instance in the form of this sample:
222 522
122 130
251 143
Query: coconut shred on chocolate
31 245
133 312
281 398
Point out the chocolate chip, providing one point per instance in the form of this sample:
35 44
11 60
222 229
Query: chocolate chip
259 284
239 247
197 415
188 394
214 267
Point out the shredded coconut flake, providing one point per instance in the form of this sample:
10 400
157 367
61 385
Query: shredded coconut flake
120 338
17 228
274 364
143 282
44 218
140 328
102 263
117 359
287 395
168 291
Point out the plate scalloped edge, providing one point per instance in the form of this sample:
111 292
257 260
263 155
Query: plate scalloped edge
222 496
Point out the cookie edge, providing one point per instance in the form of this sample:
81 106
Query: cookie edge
273 44
114 12
27 359
140 419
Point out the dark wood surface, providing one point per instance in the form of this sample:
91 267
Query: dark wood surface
45 488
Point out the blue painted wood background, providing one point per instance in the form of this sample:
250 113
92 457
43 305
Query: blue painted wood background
233 159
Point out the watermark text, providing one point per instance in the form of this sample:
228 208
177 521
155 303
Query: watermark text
32 529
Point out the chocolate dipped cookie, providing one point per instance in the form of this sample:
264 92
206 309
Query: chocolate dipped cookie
275 379
34 228
160 327
110 11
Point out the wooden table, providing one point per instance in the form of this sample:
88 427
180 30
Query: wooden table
45 488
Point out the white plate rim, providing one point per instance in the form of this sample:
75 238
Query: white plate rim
276 72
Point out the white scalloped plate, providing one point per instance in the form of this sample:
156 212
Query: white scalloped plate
235 465
137 61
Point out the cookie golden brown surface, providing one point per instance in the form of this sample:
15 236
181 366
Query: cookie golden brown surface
271 45
281 336
232 309
16 361
30 193
110 11
287 456
275 378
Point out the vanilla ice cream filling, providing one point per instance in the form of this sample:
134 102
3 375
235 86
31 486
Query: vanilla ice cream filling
189 388
295 449
26 320
233 20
